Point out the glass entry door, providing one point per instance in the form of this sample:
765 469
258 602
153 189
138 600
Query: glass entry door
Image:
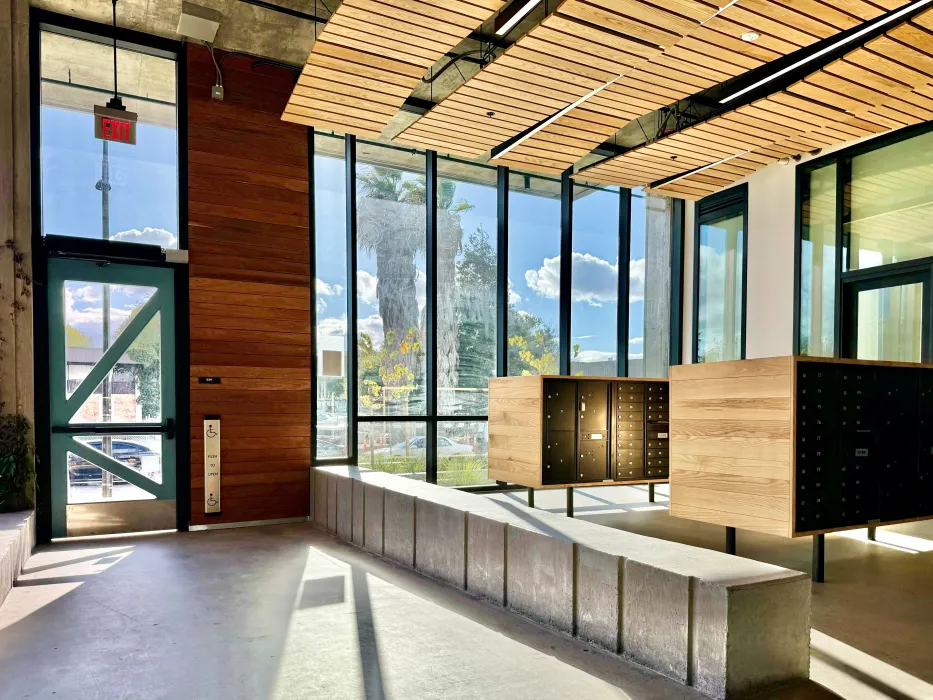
112 402
887 317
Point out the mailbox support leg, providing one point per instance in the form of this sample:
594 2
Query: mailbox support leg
818 571
570 501
531 497
730 540
871 533
650 493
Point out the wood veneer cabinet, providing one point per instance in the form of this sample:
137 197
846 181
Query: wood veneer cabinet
799 446
554 432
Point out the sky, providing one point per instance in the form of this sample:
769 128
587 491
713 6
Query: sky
143 203
534 261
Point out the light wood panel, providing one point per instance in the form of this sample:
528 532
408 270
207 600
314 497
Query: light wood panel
371 54
731 456
249 290
868 91
707 55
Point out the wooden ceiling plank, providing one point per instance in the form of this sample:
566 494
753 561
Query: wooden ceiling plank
624 24
327 48
589 33
384 16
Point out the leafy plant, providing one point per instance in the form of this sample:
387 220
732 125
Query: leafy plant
17 472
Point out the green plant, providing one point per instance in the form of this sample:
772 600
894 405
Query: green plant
17 472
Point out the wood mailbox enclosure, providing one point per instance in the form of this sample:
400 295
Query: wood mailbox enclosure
797 446
557 432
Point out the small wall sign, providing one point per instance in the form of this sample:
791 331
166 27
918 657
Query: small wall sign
208 380
114 125
212 464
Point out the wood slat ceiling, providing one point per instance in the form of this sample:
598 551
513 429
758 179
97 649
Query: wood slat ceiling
371 55
885 84
707 56
577 49
591 43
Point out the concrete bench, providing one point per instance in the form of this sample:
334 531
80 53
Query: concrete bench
725 625
17 540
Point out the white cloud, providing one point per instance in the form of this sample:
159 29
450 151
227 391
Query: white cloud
152 236
332 326
88 293
594 356
595 281
514 297
366 286
636 341
372 326
636 280
89 319
322 288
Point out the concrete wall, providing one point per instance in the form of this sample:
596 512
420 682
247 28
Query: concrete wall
16 357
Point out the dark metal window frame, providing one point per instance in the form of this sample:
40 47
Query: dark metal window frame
716 207
842 159
431 419
44 247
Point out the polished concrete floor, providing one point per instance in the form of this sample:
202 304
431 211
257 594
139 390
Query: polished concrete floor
286 612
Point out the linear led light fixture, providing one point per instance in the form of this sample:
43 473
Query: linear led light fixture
668 181
514 14
822 52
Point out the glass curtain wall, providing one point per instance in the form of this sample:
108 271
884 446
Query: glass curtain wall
595 282
649 302
330 287
396 385
534 275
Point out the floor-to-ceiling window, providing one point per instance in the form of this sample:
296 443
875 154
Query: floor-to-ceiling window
719 277
331 289
390 292
595 282
534 274
466 317
818 261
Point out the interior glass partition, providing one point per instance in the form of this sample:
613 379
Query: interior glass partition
818 261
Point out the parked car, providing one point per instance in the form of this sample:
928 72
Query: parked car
416 448
133 454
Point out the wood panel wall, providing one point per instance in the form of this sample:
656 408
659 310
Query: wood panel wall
250 287
731 443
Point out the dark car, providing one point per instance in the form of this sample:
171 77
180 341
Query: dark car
132 454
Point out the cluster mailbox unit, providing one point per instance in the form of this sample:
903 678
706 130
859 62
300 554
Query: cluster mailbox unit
560 432
799 446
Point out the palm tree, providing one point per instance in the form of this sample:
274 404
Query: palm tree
391 227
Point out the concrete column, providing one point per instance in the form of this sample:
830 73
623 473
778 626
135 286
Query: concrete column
16 347
657 286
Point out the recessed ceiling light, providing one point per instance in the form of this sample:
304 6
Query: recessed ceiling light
750 36
490 114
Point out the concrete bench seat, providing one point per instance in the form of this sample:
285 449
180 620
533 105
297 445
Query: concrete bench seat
725 625
17 540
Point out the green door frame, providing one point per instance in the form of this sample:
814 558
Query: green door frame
62 409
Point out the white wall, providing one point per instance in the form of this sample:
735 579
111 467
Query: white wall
769 325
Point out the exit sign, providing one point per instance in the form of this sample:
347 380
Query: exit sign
114 125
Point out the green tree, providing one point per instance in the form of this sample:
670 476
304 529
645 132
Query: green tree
146 353
76 339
